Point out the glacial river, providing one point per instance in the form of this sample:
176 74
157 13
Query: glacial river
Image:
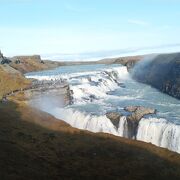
98 89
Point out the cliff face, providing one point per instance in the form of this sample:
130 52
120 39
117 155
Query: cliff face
161 72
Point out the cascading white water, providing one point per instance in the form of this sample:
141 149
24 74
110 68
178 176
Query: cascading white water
122 129
88 85
91 101
159 132
87 122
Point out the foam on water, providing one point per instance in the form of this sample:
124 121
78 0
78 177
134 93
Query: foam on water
98 89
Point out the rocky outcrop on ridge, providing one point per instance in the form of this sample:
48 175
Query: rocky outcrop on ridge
128 61
4 60
26 64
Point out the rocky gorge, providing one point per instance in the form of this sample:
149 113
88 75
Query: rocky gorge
110 89
35 144
160 71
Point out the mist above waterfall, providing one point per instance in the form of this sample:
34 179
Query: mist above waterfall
141 68
47 102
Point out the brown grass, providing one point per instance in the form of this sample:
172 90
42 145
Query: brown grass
10 81
32 63
35 145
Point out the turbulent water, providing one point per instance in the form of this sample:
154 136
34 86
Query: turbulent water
98 89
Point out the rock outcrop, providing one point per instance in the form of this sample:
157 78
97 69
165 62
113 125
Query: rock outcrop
132 119
1 56
136 113
161 72
4 60
114 117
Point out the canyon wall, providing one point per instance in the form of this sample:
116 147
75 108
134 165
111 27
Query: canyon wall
160 71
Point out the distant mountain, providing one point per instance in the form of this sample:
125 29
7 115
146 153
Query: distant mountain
109 54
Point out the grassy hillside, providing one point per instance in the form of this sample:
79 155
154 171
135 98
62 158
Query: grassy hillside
26 64
11 80
34 145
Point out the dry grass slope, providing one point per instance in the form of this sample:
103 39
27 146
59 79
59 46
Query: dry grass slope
34 145
11 80
32 63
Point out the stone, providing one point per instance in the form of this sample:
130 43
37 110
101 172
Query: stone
114 117
137 112
4 60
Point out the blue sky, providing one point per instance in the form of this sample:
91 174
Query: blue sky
76 26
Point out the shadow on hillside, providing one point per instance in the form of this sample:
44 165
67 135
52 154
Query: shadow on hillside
29 151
